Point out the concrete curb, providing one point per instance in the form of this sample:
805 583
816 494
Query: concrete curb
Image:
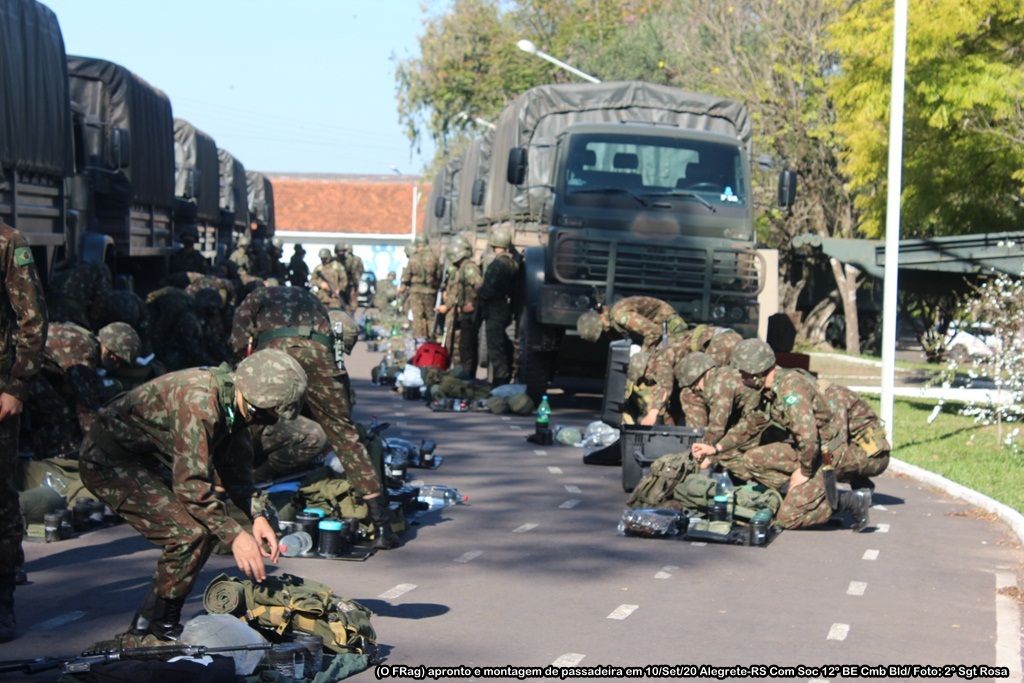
1013 519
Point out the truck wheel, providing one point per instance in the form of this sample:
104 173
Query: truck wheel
534 365
632 472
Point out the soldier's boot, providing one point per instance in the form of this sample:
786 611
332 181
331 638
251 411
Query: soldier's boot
859 481
159 617
857 503
386 539
7 630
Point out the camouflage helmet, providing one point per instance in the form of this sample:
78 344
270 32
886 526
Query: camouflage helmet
590 326
277 243
420 239
459 249
501 236
753 357
340 246
692 367
721 346
325 253
208 297
121 340
243 240
408 250
272 379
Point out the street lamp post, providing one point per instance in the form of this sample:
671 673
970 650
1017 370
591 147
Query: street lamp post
528 46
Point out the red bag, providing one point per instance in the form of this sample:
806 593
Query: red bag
431 354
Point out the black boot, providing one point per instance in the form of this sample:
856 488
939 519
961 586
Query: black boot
385 538
859 481
158 617
7 631
857 503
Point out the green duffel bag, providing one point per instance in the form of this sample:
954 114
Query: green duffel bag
697 490
656 490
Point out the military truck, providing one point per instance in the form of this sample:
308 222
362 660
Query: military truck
36 151
621 189
196 186
442 203
234 199
260 200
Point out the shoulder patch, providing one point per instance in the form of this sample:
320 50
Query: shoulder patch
790 400
23 256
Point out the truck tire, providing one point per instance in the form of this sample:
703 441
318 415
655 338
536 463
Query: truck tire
534 365
632 472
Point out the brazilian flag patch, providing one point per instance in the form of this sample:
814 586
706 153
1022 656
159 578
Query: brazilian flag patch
23 256
791 399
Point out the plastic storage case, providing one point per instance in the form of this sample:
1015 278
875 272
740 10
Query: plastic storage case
643 445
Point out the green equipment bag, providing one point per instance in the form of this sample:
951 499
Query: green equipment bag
656 489
288 603
695 491
325 490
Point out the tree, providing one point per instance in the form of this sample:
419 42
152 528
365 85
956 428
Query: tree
963 165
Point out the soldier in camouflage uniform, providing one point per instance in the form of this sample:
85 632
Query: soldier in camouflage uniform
193 422
459 305
794 404
354 269
298 271
81 295
639 318
187 259
20 359
866 447
421 279
128 307
240 256
214 325
386 293
292 320
494 301
278 270
178 333
330 281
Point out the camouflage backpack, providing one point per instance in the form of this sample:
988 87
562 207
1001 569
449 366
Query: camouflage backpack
655 490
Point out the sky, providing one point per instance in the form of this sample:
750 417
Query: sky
303 86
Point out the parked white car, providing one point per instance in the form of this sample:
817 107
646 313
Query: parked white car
971 340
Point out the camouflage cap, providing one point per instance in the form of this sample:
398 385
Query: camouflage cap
692 367
722 345
122 340
753 357
349 330
272 379
325 253
590 326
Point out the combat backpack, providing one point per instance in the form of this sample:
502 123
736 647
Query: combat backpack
656 489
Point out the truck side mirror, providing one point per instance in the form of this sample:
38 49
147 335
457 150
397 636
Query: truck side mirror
192 184
787 188
477 195
259 210
516 171
120 147
439 206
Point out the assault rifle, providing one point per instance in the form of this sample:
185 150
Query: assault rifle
84 662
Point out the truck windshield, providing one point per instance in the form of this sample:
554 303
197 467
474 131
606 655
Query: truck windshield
614 168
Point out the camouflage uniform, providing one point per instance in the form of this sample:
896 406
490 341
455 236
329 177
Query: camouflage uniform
128 307
461 292
305 334
82 295
187 259
20 359
865 451
186 421
331 282
495 306
240 257
386 293
421 278
286 447
661 368
354 269
179 339
641 318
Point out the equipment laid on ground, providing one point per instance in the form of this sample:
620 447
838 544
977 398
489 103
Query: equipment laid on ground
642 445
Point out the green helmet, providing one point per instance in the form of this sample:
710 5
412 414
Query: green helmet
753 357
325 253
459 249
722 345
692 367
340 247
420 239
589 326
501 236
272 379
277 243
121 340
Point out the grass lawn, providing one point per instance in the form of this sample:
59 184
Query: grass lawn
957 448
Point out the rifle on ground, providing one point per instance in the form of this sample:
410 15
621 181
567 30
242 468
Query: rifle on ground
84 662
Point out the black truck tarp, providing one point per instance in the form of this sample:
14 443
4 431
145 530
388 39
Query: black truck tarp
194 149
468 217
445 186
113 95
234 195
536 117
260 194
35 113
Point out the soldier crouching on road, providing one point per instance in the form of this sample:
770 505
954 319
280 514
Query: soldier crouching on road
195 423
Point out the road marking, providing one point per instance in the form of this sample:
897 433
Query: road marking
856 588
623 611
882 528
515 428
570 659
880 507
571 488
570 504
401 425
1007 627
400 589
470 556
524 528
506 418
400 415
838 632
538 452
58 621
699 544
666 572
870 555
405 433
555 470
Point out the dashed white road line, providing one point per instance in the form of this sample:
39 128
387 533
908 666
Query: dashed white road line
699 544
405 433
540 452
838 632
555 470
515 428
569 659
666 572
400 589
623 611
882 528
58 621
572 488
570 504
524 528
401 425
856 588
870 555
1008 627
470 556
880 507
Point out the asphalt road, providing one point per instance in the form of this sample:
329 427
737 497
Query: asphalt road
531 573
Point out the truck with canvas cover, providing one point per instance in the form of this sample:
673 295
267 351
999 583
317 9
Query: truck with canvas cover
442 203
36 148
260 198
234 199
123 187
196 186
623 189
